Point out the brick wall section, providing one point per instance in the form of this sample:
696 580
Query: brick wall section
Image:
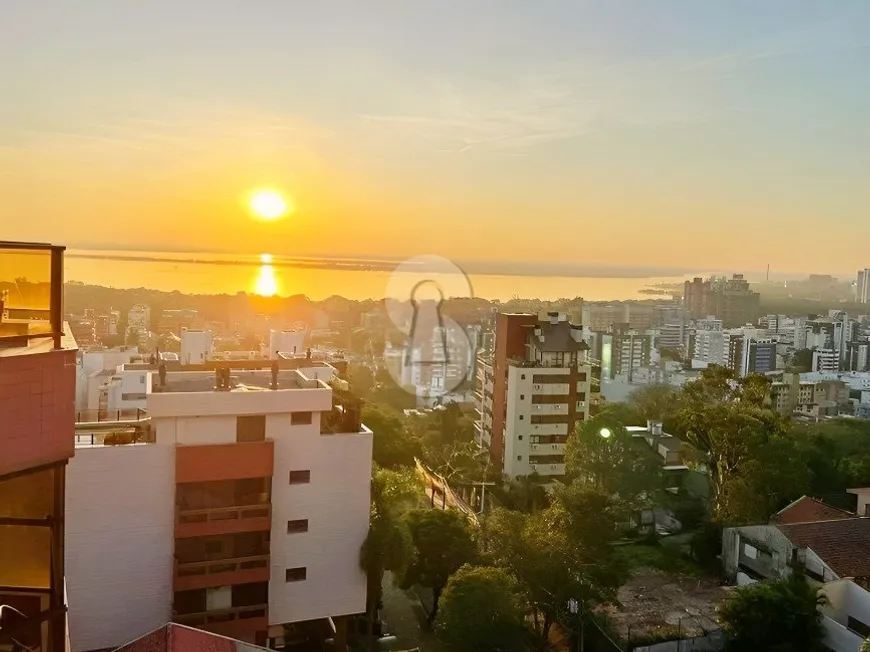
37 409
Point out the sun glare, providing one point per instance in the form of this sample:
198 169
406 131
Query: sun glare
268 205
266 284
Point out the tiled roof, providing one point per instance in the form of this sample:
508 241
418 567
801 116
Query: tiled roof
843 545
809 510
179 638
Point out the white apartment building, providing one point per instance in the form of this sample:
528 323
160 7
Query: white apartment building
862 287
243 509
826 360
539 384
711 343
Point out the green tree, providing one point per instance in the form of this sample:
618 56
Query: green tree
654 402
388 545
392 445
443 542
549 567
865 646
725 420
480 612
802 360
619 465
779 616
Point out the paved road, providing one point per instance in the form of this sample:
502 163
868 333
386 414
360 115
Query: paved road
406 619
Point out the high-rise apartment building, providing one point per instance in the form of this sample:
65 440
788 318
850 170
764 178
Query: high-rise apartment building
862 287
139 321
240 510
532 392
730 300
622 350
37 416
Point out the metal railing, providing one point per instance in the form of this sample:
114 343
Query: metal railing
31 292
232 513
222 615
100 415
216 566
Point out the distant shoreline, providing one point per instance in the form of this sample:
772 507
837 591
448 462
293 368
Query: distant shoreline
373 265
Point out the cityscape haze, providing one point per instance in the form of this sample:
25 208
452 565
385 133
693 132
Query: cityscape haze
457 326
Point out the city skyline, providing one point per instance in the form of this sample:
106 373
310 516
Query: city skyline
646 131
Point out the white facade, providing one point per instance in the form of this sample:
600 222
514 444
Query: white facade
522 442
120 518
336 504
121 507
826 360
863 494
196 346
847 607
286 341
862 288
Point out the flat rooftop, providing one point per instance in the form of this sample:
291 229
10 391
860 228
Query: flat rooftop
241 380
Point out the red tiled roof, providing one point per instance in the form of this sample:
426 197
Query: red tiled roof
809 510
843 545
179 638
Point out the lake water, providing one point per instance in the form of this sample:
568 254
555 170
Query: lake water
318 278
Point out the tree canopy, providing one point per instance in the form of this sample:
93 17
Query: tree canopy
480 612
619 465
778 616
443 542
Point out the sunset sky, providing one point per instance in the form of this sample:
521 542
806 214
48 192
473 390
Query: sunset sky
695 133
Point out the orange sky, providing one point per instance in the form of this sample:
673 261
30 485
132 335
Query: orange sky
680 138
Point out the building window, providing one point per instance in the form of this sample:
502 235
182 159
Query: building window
214 548
522 397
251 428
133 396
297 526
519 458
300 418
295 574
520 437
522 376
300 477
522 417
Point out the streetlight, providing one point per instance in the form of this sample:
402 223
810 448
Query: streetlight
605 433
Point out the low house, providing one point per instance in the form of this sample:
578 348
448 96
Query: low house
825 550
832 549
808 510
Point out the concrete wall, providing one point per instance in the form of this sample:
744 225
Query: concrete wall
838 638
119 543
37 409
336 504
182 404
845 599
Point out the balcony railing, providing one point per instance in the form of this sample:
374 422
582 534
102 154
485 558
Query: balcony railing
212 514
98 416
215 567
222 615
31 292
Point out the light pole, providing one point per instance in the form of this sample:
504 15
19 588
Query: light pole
605 434
576 611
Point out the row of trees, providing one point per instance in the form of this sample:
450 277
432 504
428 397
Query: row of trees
757 460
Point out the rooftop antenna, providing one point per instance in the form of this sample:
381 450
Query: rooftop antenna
768 272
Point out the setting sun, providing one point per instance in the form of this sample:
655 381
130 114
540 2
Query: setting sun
268 205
